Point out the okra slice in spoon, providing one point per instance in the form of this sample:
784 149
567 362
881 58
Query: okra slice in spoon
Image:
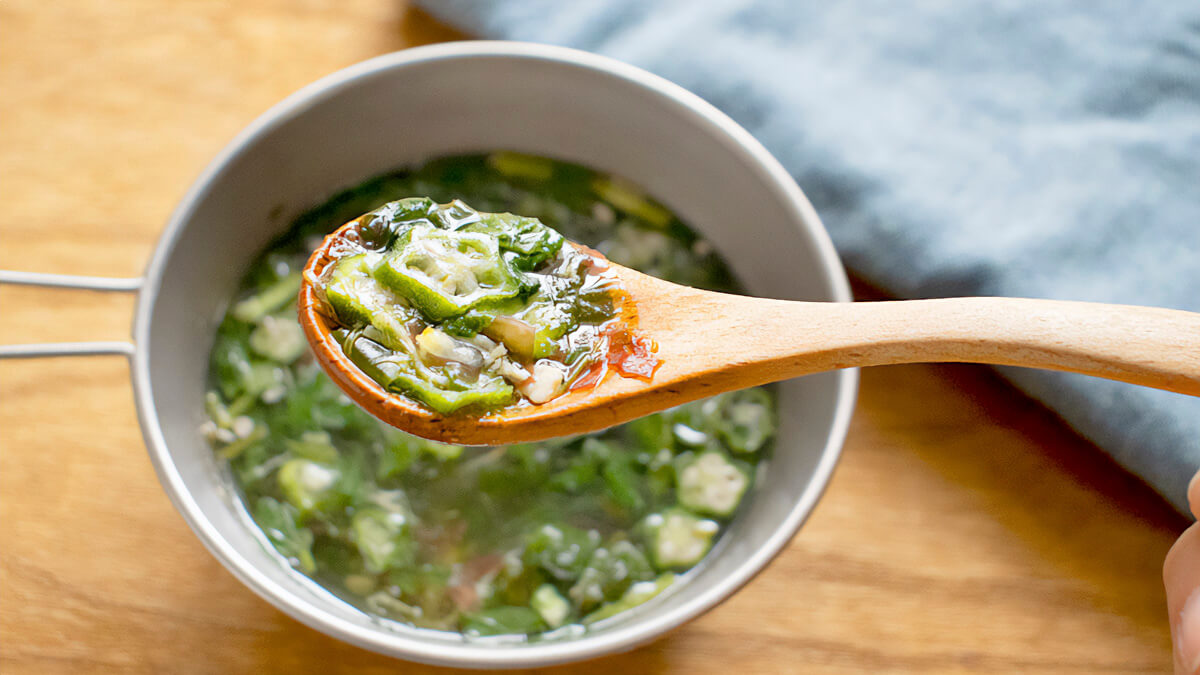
486 329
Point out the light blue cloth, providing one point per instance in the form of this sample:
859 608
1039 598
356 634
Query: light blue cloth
1022 148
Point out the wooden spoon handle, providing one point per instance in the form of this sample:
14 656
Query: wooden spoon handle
1143 345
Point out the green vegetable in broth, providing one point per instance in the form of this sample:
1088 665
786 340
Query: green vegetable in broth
677 538
515 540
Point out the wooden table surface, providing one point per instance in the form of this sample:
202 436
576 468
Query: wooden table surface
966 530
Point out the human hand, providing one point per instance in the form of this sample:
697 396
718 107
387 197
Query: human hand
1181 575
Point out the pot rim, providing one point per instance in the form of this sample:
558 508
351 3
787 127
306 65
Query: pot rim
616 639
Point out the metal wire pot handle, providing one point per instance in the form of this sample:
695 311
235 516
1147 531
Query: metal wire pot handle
102 284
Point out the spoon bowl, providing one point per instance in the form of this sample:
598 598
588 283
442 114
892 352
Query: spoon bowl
709 343
585 409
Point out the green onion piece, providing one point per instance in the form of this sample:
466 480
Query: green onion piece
629 199
519 165
272 299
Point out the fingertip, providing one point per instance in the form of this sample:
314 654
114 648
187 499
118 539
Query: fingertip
1181 579
1194 495
1187 635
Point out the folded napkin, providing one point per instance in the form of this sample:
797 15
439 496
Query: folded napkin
1021 148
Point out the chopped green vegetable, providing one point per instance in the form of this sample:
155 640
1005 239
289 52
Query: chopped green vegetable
622 480
712 485
217 411
467 325
243 443
444 273
533 242
523 166
307 484
550 605
503 620
356 299
749 420
637 594
628 198
678 539
359 584
280 523
384 538
492 392
280 340
384 603
383 366
609 572
562 551
272 299
583 467
652 432
314 445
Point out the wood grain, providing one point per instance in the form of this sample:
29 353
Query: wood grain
965 531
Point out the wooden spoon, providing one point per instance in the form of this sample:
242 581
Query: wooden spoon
715 342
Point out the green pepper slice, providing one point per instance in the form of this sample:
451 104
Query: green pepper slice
398 372
358 300
444 273
492 393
